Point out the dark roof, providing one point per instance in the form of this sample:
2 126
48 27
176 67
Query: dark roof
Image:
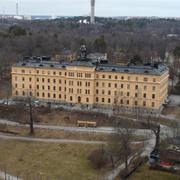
145 69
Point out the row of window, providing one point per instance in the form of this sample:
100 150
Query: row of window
98 100
122 77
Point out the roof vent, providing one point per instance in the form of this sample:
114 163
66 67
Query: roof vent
63 66
113 69
146 72
23 64
101 69
51 65
41 65
126 70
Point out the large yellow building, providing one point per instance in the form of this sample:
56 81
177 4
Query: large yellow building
92 84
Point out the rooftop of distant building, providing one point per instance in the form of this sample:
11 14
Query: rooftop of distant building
98 64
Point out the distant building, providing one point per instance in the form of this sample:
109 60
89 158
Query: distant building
89 83
65 55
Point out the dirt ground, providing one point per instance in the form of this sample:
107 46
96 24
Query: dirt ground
172 112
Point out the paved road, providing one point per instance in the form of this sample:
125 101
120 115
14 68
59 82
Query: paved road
105 130
8 176
50 140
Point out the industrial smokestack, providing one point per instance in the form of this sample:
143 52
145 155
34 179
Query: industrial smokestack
17 9
92 11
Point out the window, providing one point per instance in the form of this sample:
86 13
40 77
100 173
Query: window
128 86
116 77
59 81
30 86
54 95
60 73
127 102
128 93
49 88
121 101
87 75
153 104
37 71
30 79
30 93
43 87
71 98
109 76
97 76
122 77
59 88
23 79
42 79
37 94
122 85
97 99
109 92
71 74
49 95
153 96
59 96
145 88
136 87
79 75
103 92
136 78
16 85
115 85
87 100
43 95
103 84
154 79
54 88
54 80
23 71
109 100
103 76
144 103
109 84
23 93
102 100
136 103
136 94
54 73
16 93
48 80
97 84
145 79
37 79
144 95
154 88
97 91
23 86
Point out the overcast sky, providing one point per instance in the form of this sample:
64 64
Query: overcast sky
170 8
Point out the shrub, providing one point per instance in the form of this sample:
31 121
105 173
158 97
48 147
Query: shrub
98 158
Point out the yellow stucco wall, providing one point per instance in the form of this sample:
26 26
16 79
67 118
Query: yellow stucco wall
85 85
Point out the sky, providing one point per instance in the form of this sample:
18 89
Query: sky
107 8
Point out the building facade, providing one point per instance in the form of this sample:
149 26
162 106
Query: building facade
92 84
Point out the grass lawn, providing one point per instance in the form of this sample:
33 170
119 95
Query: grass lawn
49 160
144 173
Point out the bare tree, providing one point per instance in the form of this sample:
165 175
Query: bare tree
120 144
